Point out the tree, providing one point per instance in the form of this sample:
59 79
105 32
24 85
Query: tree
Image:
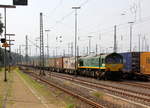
1 27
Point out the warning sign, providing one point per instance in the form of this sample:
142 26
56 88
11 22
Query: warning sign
5 45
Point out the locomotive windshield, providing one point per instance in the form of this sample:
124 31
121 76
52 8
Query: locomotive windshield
114 59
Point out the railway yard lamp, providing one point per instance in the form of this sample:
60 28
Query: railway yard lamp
47 43
131 29
76 21
90 44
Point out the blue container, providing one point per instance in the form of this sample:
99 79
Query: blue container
131 61
127 61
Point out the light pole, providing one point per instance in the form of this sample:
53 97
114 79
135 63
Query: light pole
115 39
36 45
58 41
76 21
131 24
139 42
47 43
90 44
5 7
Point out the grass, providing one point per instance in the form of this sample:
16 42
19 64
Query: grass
70 106
54 96
42 90
6 87
98 94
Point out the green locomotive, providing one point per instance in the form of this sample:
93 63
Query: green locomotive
104 66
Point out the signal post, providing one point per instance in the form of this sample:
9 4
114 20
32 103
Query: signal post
15 2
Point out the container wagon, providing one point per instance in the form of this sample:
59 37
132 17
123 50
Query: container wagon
145 63
69 65
136 66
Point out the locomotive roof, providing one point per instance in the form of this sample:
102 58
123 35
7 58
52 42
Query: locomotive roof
97 56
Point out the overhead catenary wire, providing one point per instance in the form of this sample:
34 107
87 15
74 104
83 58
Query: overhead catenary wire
123 25
66 16
56 7
71 12
33 43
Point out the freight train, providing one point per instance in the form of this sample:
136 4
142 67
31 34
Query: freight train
103 66
114 66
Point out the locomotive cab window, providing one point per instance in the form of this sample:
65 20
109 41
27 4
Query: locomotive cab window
103 61
114 59
80 63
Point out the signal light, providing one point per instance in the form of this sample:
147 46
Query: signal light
20 2
3 40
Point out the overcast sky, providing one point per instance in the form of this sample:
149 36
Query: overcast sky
95 18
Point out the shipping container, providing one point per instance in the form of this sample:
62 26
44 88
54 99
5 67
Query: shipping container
59 62
145 63
51 62
69 63
131 61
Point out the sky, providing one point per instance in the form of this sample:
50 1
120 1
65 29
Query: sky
96 18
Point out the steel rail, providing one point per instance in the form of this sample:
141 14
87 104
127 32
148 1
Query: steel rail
136 84
118 87
106 88
88 101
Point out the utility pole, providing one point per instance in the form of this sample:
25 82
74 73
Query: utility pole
54 53
71 48
139 42
115 39
90 44
17 56
64 52
142 44
68 48
20 54
41 46
78 51
96 49
47 43
100 43
9 53
5 53
76 21
87 50
147 48
145 44
26 56
36 46
131 24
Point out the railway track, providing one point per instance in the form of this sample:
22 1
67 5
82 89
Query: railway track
146 86
143 97
82 98
134 84
121 92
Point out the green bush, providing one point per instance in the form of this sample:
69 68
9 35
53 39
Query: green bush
98 94
70 106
